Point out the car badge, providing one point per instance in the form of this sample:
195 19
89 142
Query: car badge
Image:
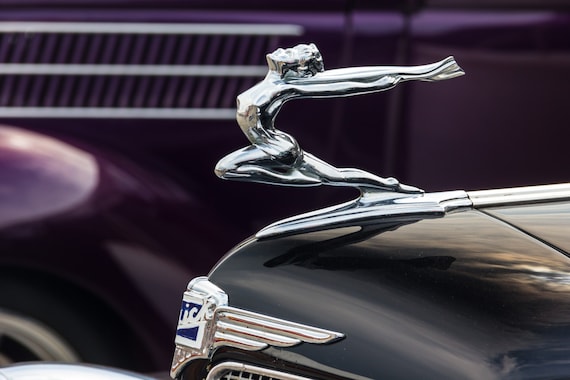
207 322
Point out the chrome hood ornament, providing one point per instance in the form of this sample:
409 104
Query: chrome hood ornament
274 156
206 322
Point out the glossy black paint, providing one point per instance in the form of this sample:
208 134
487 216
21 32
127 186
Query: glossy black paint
467 296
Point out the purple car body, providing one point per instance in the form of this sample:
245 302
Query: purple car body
108 202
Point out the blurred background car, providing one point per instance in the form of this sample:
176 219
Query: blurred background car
114 114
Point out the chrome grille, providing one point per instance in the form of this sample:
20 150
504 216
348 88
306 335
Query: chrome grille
240 375
240 371
131 70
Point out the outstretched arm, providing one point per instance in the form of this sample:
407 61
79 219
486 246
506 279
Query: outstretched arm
360 80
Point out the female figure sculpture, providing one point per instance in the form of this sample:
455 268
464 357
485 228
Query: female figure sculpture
274 156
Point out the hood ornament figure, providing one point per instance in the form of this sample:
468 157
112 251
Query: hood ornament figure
275 157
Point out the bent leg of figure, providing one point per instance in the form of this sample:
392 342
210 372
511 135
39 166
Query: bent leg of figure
359 178
367 180
253 164
229 164
286 176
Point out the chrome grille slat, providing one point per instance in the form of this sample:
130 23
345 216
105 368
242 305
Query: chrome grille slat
121 69
150 70
120 113
150 28
241 371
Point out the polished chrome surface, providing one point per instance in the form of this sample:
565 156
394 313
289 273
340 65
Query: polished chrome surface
150 70
372 209
65 372
130 70
118 113
254 331
519 195
239 371
149 28
274 156
207 322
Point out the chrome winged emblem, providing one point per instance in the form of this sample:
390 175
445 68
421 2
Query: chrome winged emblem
206 322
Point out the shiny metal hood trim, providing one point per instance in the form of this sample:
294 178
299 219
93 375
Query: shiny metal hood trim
391 208
519 195
372 209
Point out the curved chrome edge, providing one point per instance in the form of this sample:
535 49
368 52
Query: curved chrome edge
54 371
388 208
519 195
223 369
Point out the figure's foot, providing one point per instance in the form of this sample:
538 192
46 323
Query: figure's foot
409 189
392 184
401 188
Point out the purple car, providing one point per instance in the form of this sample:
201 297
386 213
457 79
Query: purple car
113 115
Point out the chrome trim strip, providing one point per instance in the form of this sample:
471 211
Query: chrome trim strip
220 370
119 113
518 195
382 208
150 28
258 328
148 70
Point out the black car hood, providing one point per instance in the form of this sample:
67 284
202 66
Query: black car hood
464 296
548 222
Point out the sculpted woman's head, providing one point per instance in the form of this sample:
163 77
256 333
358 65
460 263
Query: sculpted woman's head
301 61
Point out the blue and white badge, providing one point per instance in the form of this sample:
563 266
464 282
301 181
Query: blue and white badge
207 322
191 323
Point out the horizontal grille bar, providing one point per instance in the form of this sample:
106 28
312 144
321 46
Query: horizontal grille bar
131 70
119 113
151 28
242 371
150 70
